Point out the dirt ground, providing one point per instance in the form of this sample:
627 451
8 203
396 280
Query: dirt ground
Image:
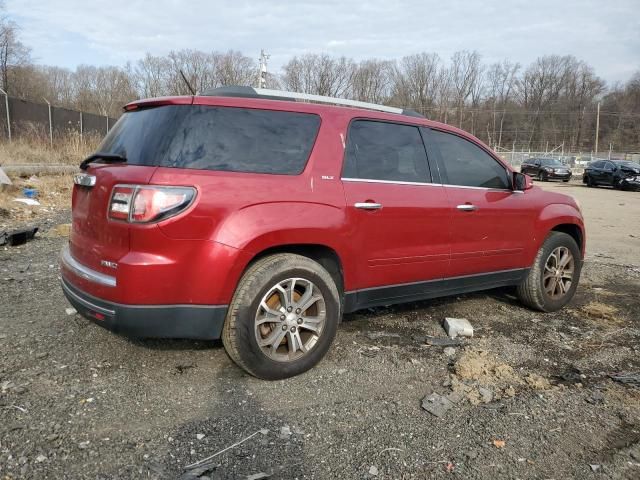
530 396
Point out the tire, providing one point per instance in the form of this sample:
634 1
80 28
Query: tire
566 181
270 279
540 177
589 182
533 292
617 183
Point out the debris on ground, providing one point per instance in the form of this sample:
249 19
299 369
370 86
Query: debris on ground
537 382
18 237
449 351
199 463
458 327
373 471
571 377
479 365
4 179
27 201
70 311
599 310
627 378
378 335
438 405
499 443
442 342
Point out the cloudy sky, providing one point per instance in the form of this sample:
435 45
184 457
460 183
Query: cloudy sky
606 34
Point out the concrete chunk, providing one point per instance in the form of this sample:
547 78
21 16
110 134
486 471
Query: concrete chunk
458 327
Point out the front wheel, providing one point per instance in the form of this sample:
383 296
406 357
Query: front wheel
283 317
542 177
553 278
589 181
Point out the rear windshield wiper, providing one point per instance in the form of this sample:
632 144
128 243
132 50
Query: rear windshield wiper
106 157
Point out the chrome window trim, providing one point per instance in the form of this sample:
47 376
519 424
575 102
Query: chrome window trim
448 185
393 182
83 271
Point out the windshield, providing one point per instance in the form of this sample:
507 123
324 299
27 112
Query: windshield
214 138
628 163
550 162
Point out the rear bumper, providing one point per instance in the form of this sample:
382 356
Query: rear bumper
202 322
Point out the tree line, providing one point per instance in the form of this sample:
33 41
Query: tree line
550 103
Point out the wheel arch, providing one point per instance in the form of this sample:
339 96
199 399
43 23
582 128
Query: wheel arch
574 231
323 254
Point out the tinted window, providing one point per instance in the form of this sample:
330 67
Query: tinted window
596 164
551 162
467 164
215 138
385 151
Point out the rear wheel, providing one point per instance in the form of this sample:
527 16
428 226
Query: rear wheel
283 317
553 278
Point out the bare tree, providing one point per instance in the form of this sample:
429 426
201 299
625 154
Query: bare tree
417 80
319 74
466 75
13 54
372 81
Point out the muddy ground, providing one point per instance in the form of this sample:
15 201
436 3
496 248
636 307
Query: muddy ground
532 393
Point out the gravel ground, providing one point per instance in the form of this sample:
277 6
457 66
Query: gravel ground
534 396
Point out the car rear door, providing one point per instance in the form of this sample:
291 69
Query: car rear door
491 225
399 218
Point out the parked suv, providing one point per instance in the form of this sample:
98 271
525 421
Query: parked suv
545 169
242 216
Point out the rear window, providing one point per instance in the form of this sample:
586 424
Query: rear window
215 138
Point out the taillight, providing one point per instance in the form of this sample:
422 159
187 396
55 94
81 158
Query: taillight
144 204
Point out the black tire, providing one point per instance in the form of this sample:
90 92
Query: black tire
589 182
531 291
541 177
565 181
617 183
239 331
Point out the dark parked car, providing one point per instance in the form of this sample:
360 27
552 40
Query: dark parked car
544 169
621 174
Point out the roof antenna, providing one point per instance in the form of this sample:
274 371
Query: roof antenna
193 92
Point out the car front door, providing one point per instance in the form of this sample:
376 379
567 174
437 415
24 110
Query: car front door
400 218
608 173
491 225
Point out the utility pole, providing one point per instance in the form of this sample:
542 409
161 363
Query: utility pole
597 130
262 74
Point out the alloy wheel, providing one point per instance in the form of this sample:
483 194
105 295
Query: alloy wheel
558 273
290 319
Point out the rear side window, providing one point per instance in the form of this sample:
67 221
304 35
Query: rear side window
466 164
215 138
385 151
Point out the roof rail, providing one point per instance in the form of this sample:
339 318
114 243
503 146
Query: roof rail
269 94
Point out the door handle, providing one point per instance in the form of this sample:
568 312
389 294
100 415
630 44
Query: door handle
368 205
467 207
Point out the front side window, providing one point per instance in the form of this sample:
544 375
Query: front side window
466 164
385 151
215 138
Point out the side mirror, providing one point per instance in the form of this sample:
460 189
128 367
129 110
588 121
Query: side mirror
521 182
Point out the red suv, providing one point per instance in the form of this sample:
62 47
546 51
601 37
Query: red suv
247 215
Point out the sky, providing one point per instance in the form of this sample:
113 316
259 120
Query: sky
605 34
